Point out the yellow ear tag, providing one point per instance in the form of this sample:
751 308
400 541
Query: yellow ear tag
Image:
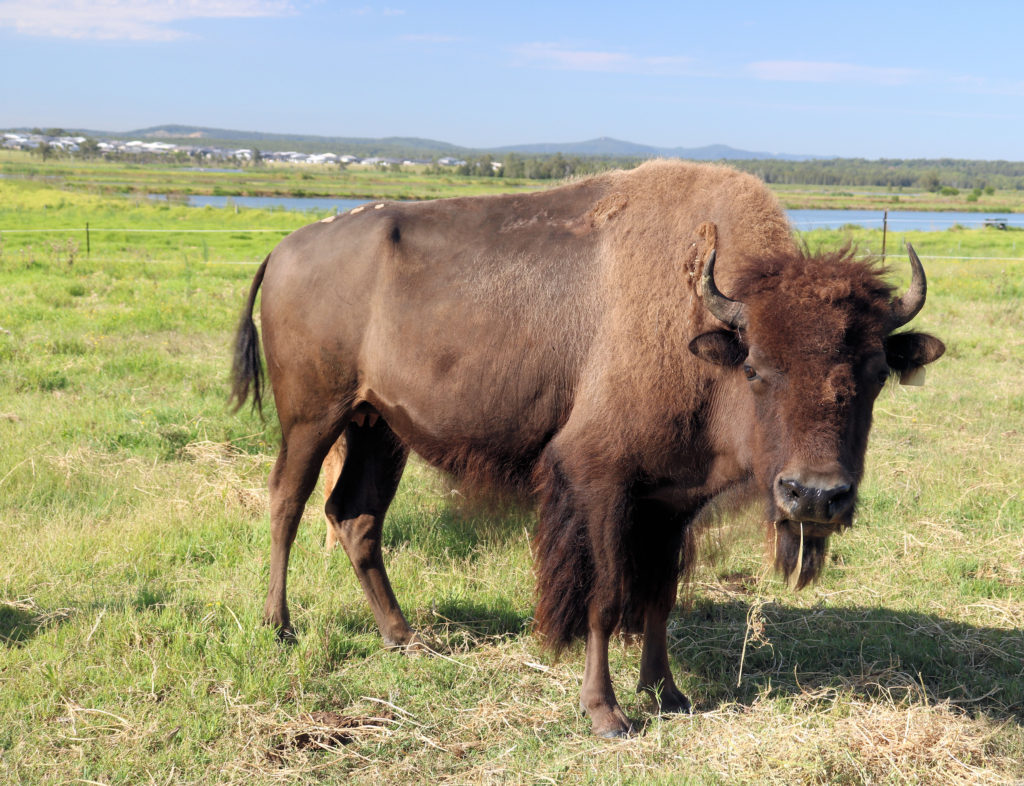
914 376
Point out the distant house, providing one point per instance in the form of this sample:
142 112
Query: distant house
25 141
21 142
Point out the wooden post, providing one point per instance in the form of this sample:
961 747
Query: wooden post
87 246
885 228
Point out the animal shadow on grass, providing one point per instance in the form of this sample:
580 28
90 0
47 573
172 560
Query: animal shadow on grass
22 620
467 624
19 622
453 628
869 652
458 530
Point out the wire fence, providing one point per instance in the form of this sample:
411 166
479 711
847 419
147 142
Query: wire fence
133 230
88 231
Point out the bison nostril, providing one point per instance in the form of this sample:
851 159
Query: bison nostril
791 496
791 488
839 498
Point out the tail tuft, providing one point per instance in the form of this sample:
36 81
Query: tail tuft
247 365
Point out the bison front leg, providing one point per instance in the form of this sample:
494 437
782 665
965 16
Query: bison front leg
655 672
597 696
660 544
578 561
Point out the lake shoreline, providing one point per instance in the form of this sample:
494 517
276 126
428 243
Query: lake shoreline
802 219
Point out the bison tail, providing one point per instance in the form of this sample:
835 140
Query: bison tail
247 365
564 561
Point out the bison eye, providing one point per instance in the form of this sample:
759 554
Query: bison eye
883 377
748 372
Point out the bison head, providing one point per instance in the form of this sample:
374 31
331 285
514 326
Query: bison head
812 339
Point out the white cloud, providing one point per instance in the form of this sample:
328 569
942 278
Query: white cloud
131 20
810 71
566 59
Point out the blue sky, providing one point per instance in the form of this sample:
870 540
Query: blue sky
868 79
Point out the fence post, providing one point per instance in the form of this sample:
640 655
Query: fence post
88 249
885 229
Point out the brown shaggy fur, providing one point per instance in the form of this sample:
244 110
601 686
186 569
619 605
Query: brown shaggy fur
559 343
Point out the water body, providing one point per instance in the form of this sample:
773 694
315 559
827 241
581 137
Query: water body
899 220
325 205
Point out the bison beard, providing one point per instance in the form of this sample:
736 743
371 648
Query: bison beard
575 343
799 559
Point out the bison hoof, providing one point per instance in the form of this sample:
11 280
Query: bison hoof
286 635
616 734
610 724
675 702
669 699
410 643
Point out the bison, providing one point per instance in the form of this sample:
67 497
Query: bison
621 349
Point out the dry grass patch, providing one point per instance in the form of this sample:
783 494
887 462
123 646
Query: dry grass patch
520 728
225 472
829 737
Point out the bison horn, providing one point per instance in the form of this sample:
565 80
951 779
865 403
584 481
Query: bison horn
731 312
906 308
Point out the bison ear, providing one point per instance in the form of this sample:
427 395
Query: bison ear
908 353
721 347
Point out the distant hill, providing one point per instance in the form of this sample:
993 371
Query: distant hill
606 146
415 147
303 143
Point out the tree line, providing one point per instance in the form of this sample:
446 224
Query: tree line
924 174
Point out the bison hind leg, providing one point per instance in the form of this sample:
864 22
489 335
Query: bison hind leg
374 459
292 480
333 463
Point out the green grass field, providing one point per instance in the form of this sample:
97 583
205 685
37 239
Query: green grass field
114 178
105 178
133 510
